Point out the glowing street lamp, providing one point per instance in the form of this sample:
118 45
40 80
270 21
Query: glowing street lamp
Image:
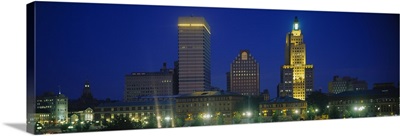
296 111
248 114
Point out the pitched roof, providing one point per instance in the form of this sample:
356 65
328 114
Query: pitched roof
283 100
146 103
209 93
368 93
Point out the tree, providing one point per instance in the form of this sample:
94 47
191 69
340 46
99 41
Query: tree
137 124
311 112
220 119
38 127
197 121
295 117
120 123
237 118
258 119
275 117
83 127
334 113
151 122
318 100
179 121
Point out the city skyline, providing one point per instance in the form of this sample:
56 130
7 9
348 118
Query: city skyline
90 34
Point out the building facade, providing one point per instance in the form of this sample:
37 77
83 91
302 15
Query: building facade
84 115
208 104
366 103
228 81
297 77
52 107
284 106
245 75
266 95
384 86
339 85
134 110
194 54
139 84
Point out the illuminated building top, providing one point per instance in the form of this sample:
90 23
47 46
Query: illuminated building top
297 76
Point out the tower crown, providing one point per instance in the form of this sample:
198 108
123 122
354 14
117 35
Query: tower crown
87 84
296 25
86 91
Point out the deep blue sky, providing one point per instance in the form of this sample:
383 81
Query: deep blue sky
102 43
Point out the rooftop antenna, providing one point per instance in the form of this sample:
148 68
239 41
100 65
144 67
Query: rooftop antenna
59 89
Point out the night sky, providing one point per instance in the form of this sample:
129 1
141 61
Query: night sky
102 43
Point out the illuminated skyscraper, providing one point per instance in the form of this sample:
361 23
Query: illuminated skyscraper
194 54
245 75
296 75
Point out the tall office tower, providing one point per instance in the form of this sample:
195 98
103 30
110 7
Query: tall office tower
175 78
245 75
296 75
138 84
346 83
228 81
194 54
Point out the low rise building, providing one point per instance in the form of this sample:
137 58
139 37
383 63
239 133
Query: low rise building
134 110
208 104
366 103
160 83
84 115
346 83
51 108
286 106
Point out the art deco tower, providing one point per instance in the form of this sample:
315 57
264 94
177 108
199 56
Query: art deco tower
194 54
245 75
296 75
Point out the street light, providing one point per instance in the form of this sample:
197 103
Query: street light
359 109
248 114
379 109
167 118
